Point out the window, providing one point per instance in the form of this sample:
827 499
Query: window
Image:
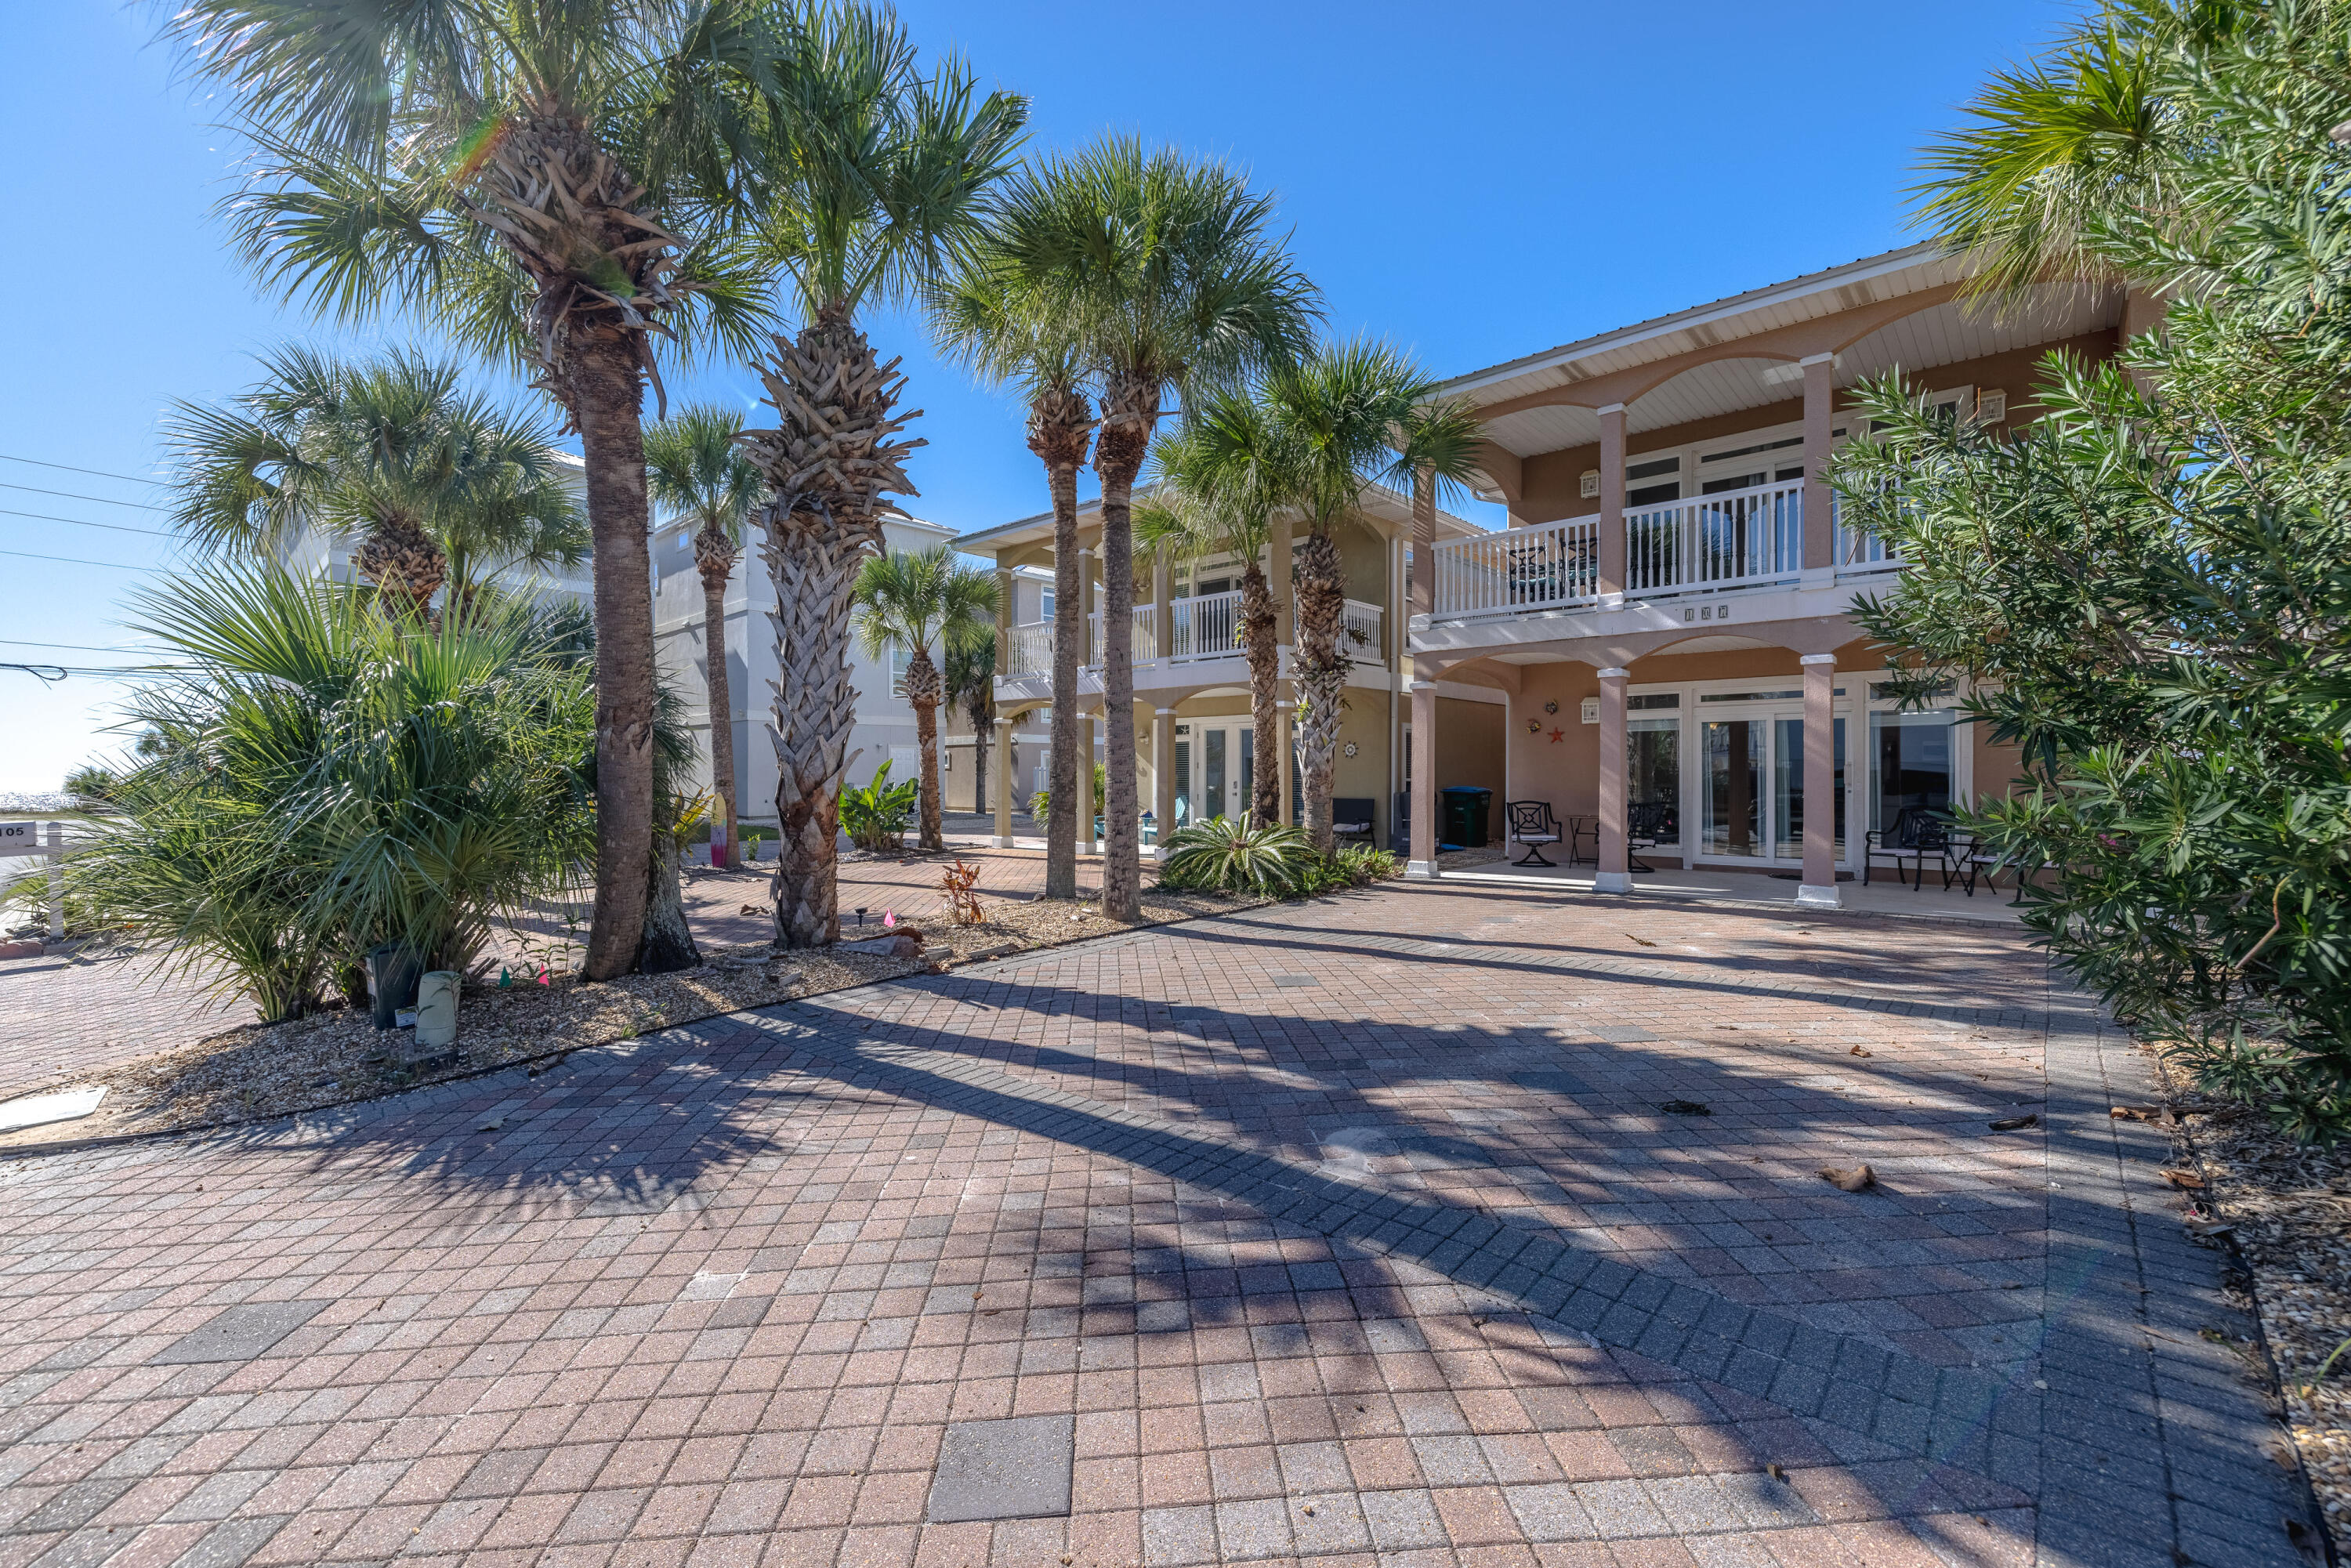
899 658
1653 777
1662 476
1639 701
1045 604
1913 756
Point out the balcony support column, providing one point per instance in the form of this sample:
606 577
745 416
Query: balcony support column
1820 407
1003 765
1163 608
1278 578
1819 888
1422 862
1615 874
1612 506
1281 760
1087 805
1162 773
1004 583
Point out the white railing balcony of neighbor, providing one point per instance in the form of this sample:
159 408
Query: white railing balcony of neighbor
1360 638
1144 645
1207 626
1738 538
1859 552
1547 565
1031 650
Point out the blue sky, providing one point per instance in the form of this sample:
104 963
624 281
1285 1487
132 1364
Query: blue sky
1477 181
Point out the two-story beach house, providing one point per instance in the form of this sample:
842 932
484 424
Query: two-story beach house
1667 619
1195 746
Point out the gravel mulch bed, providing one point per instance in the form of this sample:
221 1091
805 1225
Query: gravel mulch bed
336 1057
2285 1210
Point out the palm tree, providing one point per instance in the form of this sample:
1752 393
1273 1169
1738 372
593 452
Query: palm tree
552 183
875 179
910 601
697 468
971 685
1225 475
1005 323
1169 272
1351 414
437 485
2054 153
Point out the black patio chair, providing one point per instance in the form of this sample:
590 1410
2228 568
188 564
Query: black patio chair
1648 824
1531 824
1917 836
1351 819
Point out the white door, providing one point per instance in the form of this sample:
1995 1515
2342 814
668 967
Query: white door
1224 761
1749 784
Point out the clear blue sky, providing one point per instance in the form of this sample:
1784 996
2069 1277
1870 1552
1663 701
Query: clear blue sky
1475 180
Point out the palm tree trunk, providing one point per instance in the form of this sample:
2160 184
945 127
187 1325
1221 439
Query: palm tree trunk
404 564
1320 671
829 462
1264 656
668 945
607 403
977 713
1118 458
1069 639
716 569
922 688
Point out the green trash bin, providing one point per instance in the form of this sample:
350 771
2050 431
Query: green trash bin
1462 809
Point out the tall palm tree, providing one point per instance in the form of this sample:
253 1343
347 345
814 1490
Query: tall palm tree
1004 322
971 687
697 468
552 183
911 601
1224 476
875 176
1170 271
1351 414
440 486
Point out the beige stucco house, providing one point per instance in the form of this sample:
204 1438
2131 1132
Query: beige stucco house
1667 622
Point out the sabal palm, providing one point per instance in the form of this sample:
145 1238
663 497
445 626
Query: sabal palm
1006 324
2055 154
1224 477
1351 414
698 471
876 174
913 599
438 486
548 180
1171 272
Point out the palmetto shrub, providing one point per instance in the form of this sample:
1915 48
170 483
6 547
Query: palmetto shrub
330 779
1236 854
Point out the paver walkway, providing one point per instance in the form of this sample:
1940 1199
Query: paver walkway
1346 1233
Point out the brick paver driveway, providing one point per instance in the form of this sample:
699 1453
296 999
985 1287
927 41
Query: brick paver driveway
1346 1233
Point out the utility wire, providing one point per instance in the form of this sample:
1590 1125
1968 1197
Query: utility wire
77 495
76 560
84 523
94 473
77 647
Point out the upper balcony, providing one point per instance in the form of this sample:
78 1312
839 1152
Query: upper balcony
1731 543
1204 648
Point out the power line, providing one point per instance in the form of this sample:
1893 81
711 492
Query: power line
86 523
77 647
94 473
76 560
77 496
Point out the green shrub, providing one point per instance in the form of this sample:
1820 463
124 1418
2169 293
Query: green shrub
875 814
1234 854
1041 804
335 779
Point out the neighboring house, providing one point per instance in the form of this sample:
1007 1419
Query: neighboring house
1667 618
1196 745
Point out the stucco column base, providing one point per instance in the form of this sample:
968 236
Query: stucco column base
1420 871
1811 897
1611 882
1000 840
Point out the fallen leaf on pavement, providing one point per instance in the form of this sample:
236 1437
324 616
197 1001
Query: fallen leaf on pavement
2186 1181
1858 1179
492 1125
2011 1124
1641 941
1686 1108
1858 1051
2136 1113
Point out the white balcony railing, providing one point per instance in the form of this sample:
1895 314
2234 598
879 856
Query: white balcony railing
1207 626
1858 551
1740 538
1031 650
1544 567
1142 650
1360 638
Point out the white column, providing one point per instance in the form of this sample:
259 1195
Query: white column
1615 874
1612 506
1819 888
56 852
1003 764
1820 510
1423 861
1162 773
